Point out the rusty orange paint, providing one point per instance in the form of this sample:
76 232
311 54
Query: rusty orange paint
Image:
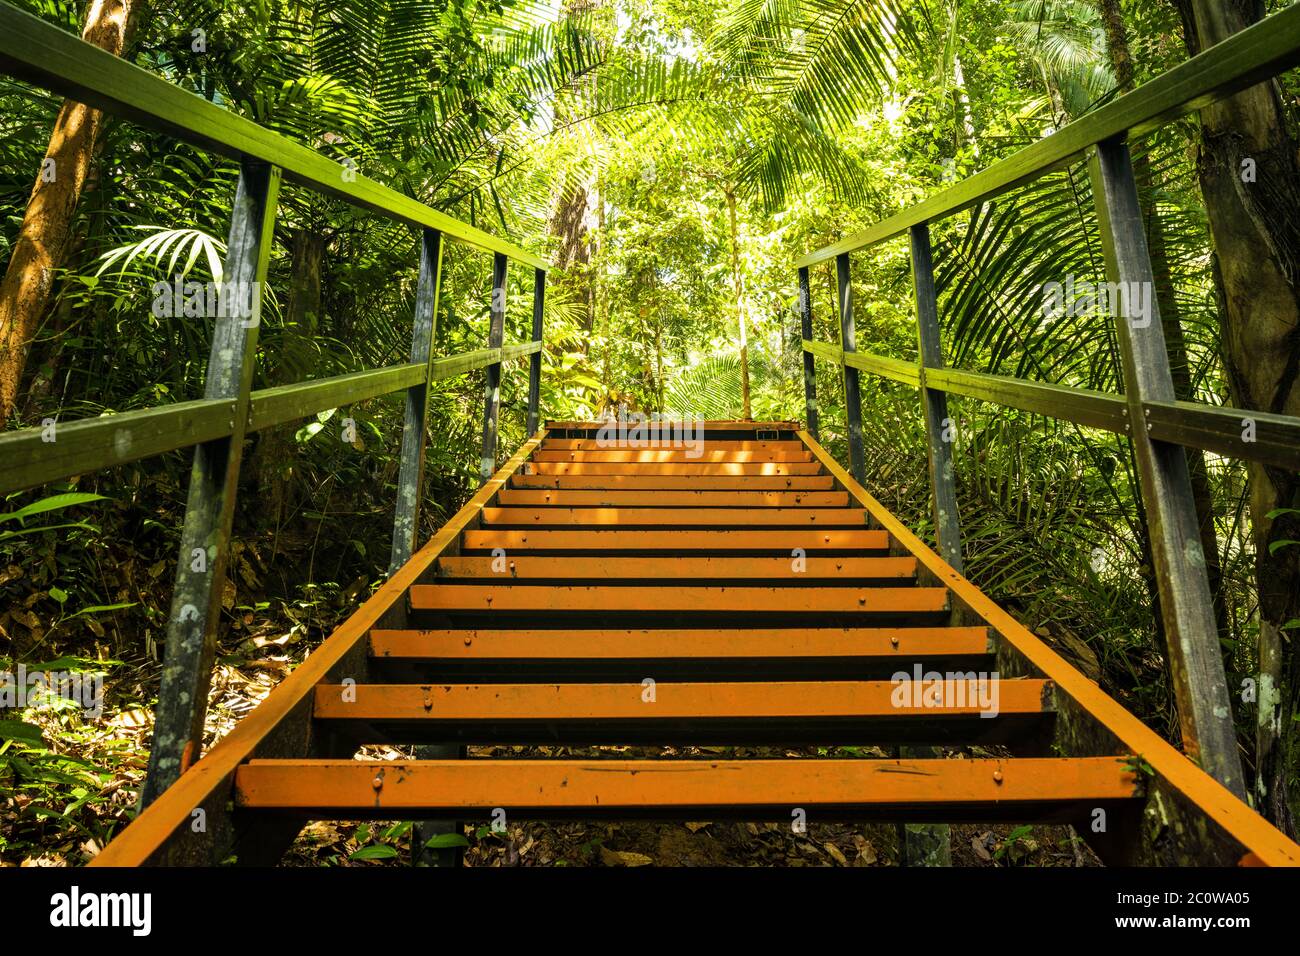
786 600
641 482
671 468
653 456
534 567
688 540
663 498
901 643
735 700
676 517
339 786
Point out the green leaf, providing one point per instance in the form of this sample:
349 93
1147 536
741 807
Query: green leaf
6 535
1275 546
22 731
377 852
74 664
59 595
445 840
1279 512
52 503
101 608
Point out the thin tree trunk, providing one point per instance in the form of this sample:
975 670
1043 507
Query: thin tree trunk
43 239
600 296
295 357
746 413
1250 181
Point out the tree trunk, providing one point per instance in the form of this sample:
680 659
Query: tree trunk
746 413
43 238
295 358
1250 181
573 255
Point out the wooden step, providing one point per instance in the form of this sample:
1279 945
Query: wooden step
500 598
656 456
1045 789
897 644
712 517
528 567
670 468
688 654
775 712
681 541
595 444
641 482
662 498
788 429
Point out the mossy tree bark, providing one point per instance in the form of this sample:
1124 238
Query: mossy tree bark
1250 180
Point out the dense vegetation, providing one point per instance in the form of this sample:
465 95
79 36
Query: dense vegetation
672 158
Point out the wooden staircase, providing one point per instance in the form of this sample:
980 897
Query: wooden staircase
746 592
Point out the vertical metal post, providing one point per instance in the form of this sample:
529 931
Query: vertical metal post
939 431
535 360
410 478
1186 604
852 393
214 476
809 362
492 390
927 844
410 484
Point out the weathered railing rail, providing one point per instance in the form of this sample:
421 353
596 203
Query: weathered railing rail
1157 424
215 425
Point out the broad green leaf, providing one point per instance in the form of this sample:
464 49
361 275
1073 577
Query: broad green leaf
52 503
445 840
377 852
21 731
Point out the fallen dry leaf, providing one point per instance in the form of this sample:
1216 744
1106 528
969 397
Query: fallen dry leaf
623 858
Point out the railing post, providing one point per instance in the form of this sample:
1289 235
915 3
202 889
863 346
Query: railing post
939 430
928 844
406 518
852 394
535 360
410 478
492 390
1186 604
214 476
809 360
